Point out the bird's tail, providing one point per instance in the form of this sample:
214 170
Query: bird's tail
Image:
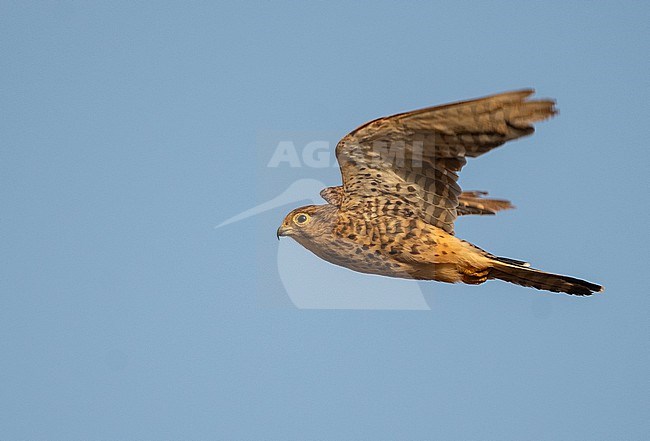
517 272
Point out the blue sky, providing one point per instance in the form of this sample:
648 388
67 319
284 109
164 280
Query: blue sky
129 130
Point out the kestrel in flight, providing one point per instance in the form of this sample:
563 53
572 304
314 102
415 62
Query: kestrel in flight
394 214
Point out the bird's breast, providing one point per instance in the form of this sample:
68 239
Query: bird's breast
358 256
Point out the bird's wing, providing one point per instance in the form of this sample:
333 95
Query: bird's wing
469 202
333 195
474 202
408 164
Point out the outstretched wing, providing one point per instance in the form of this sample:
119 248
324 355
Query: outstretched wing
408 164
469 202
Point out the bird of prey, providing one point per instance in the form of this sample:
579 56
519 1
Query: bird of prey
394 214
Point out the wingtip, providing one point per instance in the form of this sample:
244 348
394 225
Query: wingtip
549 103
527 91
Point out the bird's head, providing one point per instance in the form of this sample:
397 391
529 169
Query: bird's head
308 222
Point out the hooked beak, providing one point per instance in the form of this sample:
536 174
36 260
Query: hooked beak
282 231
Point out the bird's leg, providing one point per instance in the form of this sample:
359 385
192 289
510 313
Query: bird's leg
474 276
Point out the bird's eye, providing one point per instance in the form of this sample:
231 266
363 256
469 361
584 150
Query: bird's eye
301 218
